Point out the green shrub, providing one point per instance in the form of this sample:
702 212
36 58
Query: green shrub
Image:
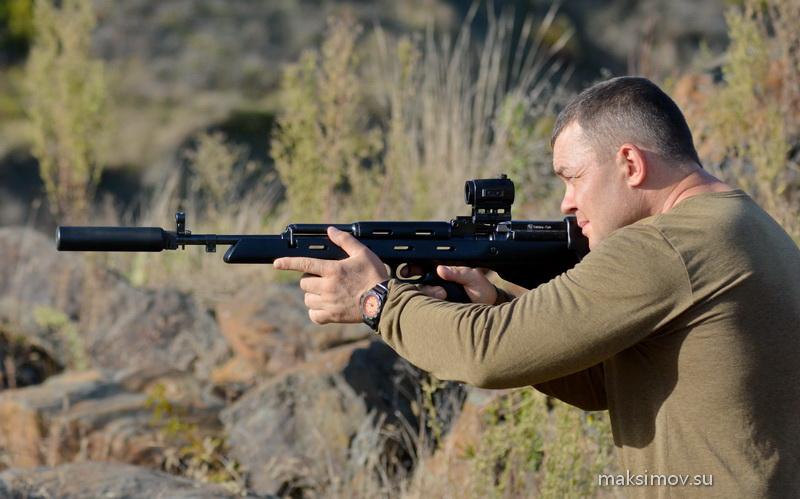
533 444
754 114
67 93
68 334
323 149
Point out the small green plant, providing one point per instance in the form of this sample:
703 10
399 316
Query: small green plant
190 454
67 331
578 448
429 386
67 92
535 443
510 448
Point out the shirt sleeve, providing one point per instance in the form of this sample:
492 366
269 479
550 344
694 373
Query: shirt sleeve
630 286
503 296
584 389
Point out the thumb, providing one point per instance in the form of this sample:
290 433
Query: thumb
346 241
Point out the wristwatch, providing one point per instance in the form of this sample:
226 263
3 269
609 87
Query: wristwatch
372 304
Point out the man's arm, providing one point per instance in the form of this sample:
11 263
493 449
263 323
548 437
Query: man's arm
613 299
585 389
632 285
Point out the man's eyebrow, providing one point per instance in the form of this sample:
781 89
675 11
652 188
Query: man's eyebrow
561 170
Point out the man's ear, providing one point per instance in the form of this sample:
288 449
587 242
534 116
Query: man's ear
633 163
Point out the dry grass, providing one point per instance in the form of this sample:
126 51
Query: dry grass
459 109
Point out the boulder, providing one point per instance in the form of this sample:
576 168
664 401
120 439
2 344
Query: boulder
95 479
292 407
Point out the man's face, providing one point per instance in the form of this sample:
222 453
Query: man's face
597 192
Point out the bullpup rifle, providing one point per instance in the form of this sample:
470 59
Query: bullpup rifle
524 252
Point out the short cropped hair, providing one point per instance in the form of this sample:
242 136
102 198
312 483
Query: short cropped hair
629 109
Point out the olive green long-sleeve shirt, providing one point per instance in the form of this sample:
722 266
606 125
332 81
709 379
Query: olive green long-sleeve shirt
685 326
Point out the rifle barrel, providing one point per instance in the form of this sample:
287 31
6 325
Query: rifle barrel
111 239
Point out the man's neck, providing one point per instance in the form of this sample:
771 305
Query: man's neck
698 181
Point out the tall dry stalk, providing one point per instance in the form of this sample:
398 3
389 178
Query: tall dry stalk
221 190
461 108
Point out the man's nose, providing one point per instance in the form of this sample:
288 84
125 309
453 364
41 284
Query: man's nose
568 203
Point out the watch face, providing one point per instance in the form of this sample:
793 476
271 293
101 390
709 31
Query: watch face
372 305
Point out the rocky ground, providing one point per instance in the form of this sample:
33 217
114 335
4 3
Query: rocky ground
242 394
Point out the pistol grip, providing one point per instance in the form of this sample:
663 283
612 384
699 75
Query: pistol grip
455 292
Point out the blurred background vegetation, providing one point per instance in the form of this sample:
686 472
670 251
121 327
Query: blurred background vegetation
250 115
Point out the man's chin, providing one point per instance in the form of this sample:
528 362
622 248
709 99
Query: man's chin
586 230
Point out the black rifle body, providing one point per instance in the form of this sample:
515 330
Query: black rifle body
526 253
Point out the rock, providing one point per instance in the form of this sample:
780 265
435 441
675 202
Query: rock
312 408
293 432
20 434
81 314
97 416
301 430
269 329
94 479
236 371
77 312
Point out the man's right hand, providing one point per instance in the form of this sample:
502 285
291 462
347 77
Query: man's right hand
475 283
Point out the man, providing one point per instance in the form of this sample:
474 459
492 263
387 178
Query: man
682 322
